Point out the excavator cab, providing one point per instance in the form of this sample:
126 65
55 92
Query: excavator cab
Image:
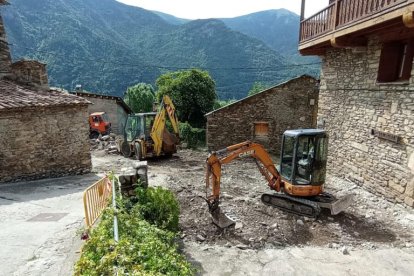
303 157
139 126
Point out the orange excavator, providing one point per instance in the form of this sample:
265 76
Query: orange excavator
298 184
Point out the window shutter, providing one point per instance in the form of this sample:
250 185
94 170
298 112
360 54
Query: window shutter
391 55
408 61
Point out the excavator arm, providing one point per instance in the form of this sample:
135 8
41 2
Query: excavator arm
158 128
213 173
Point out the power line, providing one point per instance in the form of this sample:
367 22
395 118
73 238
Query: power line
145 65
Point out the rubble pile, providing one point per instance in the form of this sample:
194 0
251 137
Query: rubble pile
106 142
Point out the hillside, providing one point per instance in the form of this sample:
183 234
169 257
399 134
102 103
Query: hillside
279 29
106 46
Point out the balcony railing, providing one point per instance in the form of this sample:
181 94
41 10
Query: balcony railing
342 13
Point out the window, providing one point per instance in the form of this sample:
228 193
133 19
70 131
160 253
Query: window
261 129
396 61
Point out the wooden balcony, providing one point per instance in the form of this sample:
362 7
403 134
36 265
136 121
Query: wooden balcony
348 18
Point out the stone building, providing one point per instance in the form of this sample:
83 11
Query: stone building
30 72
43 132
115 107
264 117
366 98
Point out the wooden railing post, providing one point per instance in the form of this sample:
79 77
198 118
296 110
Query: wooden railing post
335 15
302 16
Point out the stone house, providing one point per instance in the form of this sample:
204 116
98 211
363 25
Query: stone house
264 117
43 132
115 107
366 98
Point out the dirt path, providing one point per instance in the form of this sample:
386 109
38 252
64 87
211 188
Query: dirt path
371 229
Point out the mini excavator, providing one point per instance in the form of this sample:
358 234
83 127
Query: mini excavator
297 183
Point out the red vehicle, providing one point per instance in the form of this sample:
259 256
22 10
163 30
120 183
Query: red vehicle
99 124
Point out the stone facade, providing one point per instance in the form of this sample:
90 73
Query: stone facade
5 58
353 107
290 105
115 107
44 142
31 72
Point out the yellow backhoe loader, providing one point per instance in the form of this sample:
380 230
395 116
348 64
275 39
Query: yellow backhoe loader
146 134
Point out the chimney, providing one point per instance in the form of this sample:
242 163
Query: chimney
5 58
31 72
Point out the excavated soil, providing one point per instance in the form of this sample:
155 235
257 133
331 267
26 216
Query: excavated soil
370 222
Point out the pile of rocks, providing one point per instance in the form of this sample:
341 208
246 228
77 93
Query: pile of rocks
106 142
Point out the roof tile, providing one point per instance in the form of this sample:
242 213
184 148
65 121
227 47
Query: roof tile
13 95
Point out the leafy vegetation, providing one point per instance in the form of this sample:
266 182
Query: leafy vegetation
143 248
159 207
222 103
140 97
256 88
194 137
193 93
107 46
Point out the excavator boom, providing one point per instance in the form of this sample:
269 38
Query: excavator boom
213 174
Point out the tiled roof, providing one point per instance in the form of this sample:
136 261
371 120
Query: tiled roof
14 96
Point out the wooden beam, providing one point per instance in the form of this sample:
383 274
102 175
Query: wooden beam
408 19
346 42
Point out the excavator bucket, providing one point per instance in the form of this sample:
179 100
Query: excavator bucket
341 204
221 219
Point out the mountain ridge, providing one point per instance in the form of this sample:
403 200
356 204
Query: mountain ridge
107 46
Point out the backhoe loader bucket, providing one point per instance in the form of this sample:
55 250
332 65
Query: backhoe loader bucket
221 219
169 142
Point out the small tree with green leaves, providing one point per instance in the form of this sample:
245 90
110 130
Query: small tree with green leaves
193 93
256 88
140 97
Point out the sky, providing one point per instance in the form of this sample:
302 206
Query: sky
196 9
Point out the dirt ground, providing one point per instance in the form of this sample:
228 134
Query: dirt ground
371 222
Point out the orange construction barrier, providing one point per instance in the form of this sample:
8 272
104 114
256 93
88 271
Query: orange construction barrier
95 200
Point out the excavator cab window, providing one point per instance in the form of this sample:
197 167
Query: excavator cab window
288 148
303 158
149 122
133 127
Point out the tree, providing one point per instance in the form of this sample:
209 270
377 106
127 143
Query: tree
256 88
140 97
193 93
222 103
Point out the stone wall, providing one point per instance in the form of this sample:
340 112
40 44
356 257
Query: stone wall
288 106
44 142
351 105
5 58
31 72
116 113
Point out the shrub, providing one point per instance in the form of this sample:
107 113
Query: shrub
143 248
194 137
158 206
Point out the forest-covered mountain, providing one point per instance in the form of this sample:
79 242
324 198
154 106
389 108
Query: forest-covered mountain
107 46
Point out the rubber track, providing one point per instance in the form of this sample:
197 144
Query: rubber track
294 202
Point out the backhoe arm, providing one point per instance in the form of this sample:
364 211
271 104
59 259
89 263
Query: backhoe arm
224 156
157 131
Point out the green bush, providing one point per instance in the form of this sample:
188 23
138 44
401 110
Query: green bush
158 206
143 248
194 137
